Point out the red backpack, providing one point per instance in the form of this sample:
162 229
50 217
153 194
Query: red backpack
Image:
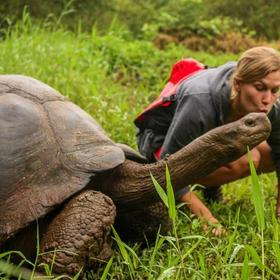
181 70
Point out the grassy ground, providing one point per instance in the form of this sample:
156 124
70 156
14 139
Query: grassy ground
113 79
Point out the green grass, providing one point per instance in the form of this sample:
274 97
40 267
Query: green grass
113 79
110 77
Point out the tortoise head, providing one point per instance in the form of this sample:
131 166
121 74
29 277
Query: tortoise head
132 184
249 131
258 128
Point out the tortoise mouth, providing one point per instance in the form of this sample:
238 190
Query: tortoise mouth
257 126
256 139
255 136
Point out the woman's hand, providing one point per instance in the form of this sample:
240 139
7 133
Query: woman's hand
198 208
213 226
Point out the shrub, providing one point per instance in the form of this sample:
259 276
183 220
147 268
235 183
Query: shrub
262 16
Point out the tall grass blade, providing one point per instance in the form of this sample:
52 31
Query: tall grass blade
78 275
191 249
160 191
258 201
229 246
157 246
203 266
170 196
275 244
37 248
135 257
257 194
61 277
107 268
255 257
168 273
235 252
20 254
12 270
245 268
124 253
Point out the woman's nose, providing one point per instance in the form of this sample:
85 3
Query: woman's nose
267 97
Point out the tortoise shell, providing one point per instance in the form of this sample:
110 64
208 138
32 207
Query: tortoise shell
49 150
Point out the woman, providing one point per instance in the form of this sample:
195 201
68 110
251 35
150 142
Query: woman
217 96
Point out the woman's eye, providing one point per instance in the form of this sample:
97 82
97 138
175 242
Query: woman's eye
259 87
275 90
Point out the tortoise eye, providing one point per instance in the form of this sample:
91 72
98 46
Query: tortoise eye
250 122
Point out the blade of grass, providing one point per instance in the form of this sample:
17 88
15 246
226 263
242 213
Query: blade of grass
168 273
135 257
37 249
124 253
258 201
192 248
229 246
203 266
235 252
255 257
157 246
12 270
107 268
160 191
275 244
78 274
170 196
257 193
245 268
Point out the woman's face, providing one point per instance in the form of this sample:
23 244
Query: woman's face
258 96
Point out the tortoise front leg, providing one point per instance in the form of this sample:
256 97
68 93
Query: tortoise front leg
79 233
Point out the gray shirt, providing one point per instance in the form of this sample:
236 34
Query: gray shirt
203 103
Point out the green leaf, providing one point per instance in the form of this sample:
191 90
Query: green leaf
257 260
160 191
13 270
170 196
124 253
257 194
245 268
107 268
275 244
158 243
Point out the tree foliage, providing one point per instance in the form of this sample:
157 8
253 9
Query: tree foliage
147 17
262 16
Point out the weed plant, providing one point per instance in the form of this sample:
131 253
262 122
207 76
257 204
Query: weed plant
113 79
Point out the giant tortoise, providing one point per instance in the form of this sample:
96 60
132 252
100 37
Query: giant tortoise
60 170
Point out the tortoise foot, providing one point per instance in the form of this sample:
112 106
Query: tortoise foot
78 237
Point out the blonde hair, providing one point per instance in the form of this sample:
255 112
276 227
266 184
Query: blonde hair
254 64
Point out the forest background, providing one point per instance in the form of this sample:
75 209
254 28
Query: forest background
187 21
112 58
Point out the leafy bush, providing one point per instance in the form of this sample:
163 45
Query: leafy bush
262 16
144 19
229 42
